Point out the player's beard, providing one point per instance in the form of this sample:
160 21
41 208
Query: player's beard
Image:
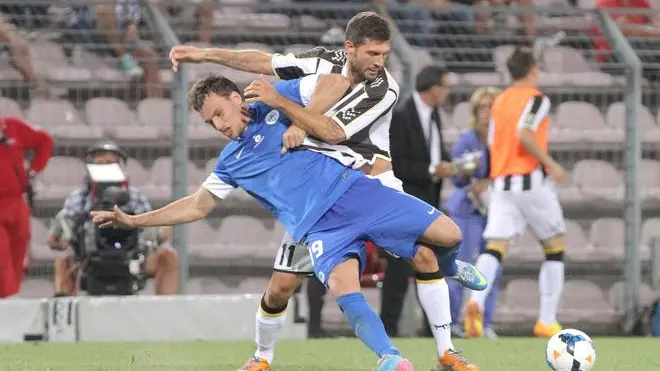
358 72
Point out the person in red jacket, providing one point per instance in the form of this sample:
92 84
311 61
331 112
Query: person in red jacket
16 137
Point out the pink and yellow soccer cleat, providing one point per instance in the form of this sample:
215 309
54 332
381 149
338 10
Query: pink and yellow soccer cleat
255 364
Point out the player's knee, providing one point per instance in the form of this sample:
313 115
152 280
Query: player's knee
554 249
443 232
497 249
425 260
281 289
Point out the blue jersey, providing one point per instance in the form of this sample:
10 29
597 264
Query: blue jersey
298 186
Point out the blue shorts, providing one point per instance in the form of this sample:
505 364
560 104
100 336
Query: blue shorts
368 211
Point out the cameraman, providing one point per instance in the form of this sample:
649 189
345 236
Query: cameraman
161 262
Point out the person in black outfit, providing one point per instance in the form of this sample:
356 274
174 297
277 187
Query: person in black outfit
420 160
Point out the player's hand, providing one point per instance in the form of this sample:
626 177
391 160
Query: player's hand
444 170
293 137
478 187
56 243
260 90
185 54
115 218
557 173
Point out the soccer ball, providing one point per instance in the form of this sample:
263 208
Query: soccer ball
570 350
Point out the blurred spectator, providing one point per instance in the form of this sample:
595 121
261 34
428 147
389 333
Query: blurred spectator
20 59
16 137
202 13
161 262
108 29
643 29
467 203
421 160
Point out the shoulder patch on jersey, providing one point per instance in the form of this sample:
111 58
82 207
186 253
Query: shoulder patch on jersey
337 57
378 86
272 117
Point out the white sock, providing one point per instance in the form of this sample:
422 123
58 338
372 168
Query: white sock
551 285
434 298
488 265
268 330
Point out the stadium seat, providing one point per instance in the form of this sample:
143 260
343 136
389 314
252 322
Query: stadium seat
117 120
204 242
247 236
582 122
616 117
584 301
311 23
526 247
500 55
62 175
650 183
49 59
570 194
522 295
563 59
156 113
607 237
616 300
599 182
138 175
10 107
35 288
650 230
578 246
61 119
102 70
480 79
160 187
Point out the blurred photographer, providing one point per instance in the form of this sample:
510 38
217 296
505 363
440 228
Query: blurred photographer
92 250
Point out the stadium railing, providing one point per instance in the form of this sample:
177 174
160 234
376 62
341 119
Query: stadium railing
589 121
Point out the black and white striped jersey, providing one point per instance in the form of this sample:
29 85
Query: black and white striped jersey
364 113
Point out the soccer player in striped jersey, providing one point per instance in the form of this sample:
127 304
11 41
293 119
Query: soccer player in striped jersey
361 121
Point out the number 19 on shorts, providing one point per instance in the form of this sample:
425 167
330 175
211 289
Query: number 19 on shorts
315 250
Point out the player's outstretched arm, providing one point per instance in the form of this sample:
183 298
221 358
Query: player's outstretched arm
184 210
254 61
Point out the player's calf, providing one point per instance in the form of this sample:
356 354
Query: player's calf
551 285
344 284
443 236
270 318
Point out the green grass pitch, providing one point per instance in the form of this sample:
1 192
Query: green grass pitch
508 354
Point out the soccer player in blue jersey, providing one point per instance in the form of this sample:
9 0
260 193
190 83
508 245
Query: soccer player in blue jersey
331 208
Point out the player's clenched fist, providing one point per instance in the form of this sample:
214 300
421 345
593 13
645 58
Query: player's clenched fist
261 90
185 54
115 218
293 137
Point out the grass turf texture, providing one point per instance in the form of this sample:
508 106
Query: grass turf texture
508 354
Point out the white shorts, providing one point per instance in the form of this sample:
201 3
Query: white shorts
294 258
509 212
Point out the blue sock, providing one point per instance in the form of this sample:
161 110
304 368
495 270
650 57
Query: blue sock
366 324
447 259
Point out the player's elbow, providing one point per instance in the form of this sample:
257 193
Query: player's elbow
334 134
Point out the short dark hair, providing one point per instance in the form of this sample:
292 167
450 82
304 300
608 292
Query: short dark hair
212 83
429 77
367 25
521 62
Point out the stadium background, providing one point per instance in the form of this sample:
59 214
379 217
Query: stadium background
232 251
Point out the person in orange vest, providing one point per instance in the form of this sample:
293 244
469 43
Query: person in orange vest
16 137
523 177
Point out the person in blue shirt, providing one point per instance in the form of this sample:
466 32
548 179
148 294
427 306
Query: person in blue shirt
466 205
322 203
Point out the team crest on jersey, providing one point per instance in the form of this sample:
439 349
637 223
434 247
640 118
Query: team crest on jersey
272 117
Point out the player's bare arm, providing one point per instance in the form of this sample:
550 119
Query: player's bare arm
185 210
315 123
528 141
254 61
329 90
